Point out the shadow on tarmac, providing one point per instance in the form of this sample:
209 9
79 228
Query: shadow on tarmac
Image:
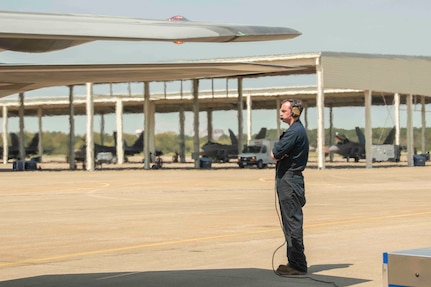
248 277
192 168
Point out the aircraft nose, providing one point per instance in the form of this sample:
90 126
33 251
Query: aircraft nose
334 148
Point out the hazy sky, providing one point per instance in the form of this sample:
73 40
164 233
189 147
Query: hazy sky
367 26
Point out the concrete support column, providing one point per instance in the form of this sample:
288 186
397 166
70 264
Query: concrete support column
182 140
90 128
102 128
305 117
39 122
5 132
71 151
146 125
129 89
196 147
424 126
320 106
278 107
368 130
410 148
397 118
249 117
119 135
331 132
240 116
152 131
210 125
21 127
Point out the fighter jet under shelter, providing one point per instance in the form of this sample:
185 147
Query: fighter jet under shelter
13 150
224 152
356 150
136 148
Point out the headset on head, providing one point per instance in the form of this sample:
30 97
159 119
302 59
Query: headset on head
296 107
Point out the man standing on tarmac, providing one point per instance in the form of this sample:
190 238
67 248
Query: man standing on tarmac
291 155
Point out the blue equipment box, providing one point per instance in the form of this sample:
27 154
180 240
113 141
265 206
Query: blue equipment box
20 165
419 160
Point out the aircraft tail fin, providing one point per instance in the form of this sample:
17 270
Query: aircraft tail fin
261 134
34 141
33 146
115 138
139 143
391 137
360 135
14 140
233 138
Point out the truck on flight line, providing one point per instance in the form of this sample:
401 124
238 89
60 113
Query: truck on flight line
258 153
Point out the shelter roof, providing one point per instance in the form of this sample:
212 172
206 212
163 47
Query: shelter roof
263 98
345 77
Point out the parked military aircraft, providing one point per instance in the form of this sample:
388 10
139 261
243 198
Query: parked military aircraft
102 154
224 152
135 148
356 150
13 150
80 154
33 147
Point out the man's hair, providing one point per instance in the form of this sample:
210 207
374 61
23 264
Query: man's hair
295 106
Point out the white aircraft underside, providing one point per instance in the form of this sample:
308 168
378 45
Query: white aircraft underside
38 32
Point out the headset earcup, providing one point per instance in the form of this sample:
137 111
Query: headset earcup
295 111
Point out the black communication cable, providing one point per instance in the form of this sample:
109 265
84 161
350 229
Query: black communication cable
284 243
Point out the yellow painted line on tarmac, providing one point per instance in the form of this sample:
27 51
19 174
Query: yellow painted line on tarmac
368 219
263 179
128 248
94 188
173 242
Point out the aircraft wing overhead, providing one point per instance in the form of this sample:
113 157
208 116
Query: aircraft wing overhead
39 32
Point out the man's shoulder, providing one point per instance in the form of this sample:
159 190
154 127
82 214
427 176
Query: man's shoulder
295 127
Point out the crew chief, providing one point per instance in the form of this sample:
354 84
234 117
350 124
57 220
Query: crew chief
291 155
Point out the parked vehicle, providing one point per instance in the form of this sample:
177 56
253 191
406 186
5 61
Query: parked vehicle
258 153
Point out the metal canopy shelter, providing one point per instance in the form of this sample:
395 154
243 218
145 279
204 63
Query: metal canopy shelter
381 73
364 75
217 100
22 78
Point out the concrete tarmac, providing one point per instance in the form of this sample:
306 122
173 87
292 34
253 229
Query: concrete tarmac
208 227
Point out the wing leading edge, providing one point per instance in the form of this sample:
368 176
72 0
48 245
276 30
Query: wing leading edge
39 32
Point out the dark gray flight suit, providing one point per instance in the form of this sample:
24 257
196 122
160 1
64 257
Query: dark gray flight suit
291 151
